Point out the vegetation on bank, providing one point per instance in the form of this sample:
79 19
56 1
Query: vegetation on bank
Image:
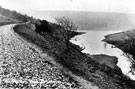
76 61
126 42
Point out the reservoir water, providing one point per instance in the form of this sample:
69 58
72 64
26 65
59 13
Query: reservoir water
92 41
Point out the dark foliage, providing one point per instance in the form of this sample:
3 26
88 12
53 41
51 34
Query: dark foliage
43 27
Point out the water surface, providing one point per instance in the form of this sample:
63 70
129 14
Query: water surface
92 40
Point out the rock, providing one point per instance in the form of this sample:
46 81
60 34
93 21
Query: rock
43 55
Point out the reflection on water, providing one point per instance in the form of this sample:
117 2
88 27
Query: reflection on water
94 45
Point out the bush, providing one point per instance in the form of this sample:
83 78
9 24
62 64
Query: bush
42 27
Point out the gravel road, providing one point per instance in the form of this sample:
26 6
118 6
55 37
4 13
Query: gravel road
25 66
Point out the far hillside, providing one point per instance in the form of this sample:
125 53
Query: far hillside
90 20
7 15
5 20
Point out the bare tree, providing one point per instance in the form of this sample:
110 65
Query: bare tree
67 26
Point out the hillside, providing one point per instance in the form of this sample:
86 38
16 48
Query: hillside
78 63
15 16
90 20
5 20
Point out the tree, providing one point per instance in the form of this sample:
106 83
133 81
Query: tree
67 27
43 27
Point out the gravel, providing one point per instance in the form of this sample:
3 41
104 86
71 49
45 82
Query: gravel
22 66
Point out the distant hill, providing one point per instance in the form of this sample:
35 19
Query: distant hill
84 19
5 20
90 20
6 14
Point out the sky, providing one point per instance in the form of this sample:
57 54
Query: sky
122 6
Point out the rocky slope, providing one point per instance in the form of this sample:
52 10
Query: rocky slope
23 65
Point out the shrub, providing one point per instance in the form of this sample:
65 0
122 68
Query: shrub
42 27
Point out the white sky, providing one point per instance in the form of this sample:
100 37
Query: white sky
127 6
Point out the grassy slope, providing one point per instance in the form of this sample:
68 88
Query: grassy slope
9 16
5 20
77 62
